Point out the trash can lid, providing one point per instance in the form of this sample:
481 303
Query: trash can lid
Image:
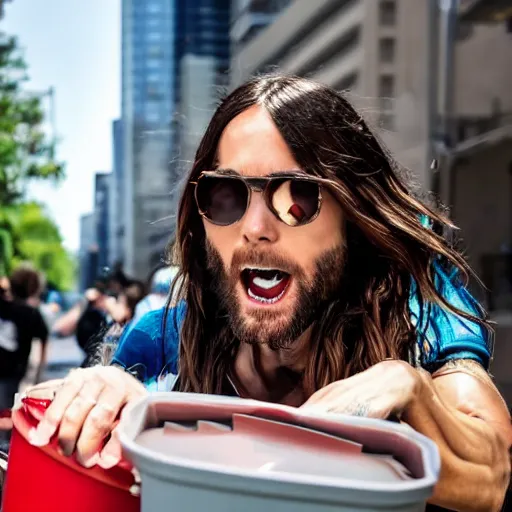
263 446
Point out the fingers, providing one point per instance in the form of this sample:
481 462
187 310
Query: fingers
76 414
102 419
53 416
99 423
85 411
45 389
111 453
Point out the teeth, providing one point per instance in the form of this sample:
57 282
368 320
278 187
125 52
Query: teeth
267 284
263 300
261 268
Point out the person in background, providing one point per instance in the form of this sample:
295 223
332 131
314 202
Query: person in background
20 324
120 312
5 288
160 283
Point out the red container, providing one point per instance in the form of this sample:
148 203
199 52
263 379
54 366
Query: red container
39 479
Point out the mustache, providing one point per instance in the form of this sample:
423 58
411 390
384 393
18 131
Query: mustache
263 258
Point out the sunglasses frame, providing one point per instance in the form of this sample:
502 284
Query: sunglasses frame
261 184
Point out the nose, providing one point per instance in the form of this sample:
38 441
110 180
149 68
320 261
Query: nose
259 224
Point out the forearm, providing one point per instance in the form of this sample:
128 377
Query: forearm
475 463
42 360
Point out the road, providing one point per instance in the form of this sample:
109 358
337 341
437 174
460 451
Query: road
63 354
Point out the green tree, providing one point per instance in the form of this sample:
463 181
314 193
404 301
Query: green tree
37 239
25 151
26 155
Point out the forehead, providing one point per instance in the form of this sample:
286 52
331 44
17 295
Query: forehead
252 145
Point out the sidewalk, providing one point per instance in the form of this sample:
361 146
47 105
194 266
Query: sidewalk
63 355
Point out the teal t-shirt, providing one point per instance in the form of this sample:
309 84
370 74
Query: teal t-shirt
442 336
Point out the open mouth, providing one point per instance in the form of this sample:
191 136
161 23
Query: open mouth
265 285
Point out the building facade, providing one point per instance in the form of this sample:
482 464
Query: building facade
102 213
203 60
377 51
88 252
175 62
148 106
117 195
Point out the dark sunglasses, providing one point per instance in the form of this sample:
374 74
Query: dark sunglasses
293 198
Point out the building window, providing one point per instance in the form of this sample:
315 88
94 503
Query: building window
155 50
387 12
387 86
387 50
154 78
386 93
348 83
153 63
154 36
154 7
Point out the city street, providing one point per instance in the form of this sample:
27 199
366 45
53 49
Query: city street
63 354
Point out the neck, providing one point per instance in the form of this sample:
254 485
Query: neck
272 375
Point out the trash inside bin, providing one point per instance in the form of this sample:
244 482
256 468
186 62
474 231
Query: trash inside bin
203 452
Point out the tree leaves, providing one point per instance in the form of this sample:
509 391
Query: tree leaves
27 233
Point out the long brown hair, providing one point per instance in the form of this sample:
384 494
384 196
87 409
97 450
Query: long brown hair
388 246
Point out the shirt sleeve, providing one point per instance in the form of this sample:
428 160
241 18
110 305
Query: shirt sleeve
146 349
445 336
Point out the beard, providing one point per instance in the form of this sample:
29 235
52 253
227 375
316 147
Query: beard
267 326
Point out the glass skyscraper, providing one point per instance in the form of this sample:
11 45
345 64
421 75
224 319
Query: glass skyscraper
175 62
149 68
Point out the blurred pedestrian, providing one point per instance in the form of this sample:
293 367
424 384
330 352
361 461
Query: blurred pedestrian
20 324
160 283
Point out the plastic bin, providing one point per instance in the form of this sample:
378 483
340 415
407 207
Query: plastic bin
43 480
203 452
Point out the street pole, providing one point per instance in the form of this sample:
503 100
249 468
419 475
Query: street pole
431 86
448 36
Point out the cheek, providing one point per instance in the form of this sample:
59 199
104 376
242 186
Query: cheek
223 239
310 242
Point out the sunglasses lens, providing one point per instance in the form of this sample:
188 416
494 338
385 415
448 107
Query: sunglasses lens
295 201
223 201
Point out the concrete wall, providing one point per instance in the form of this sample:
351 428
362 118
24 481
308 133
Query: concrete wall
482 202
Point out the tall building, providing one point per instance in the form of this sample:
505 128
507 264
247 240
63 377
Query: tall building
175 62
250 17
117 197
102 216
377 50
2 7
203 61
88 252
148 106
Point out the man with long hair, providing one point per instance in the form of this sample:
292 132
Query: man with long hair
310 275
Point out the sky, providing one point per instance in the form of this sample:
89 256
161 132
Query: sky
74 46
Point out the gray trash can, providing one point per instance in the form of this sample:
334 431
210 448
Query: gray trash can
220 454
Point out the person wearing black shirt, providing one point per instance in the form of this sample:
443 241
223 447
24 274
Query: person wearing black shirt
20 324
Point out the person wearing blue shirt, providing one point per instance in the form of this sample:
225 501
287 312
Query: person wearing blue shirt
311 275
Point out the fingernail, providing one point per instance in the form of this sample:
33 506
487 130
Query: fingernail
45 430
40 436
88 462
107 461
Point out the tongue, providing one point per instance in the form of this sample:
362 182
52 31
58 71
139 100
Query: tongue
281 279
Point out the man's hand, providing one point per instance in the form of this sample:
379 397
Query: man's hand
85 412
382 391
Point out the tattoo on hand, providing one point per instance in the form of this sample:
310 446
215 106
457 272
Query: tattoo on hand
361 410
